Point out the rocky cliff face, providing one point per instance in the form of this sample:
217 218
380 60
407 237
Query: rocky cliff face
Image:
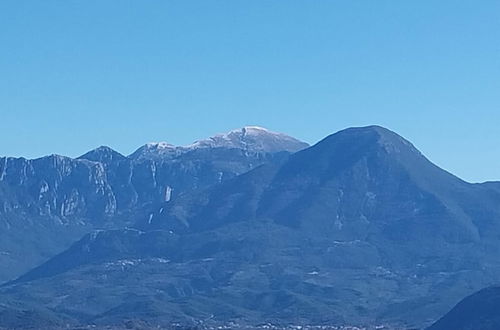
57 187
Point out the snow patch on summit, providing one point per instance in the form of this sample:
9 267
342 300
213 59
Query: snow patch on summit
251 138
159 145
248 138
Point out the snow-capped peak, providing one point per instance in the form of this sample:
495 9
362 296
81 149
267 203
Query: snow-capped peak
251 138
248 138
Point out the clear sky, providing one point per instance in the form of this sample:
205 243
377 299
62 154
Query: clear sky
78 74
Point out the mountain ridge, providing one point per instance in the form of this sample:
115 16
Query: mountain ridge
248 138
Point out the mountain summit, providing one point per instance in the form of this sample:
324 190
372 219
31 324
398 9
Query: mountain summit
103 154
252 139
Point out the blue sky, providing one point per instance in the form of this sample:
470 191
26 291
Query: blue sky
78 74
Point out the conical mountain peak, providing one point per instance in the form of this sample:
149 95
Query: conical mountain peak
360 142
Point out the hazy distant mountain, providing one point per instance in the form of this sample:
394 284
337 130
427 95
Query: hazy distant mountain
358 229
480 311
47 203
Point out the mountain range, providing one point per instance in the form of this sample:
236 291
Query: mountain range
48 203
248 227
